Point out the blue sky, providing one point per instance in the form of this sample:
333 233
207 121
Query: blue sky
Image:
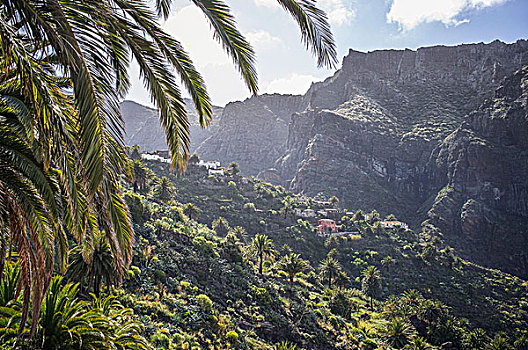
284 65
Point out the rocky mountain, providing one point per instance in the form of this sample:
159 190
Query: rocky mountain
143 128
485 200
253 132
373 134
399 131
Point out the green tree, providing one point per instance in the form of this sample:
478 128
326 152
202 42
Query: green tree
135 152
371 283
163 189
221 226
191 211
358 216
329 269
398 333
194 159
293 265
334 201
234 169
261 247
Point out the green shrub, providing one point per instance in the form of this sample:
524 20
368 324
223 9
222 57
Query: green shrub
205 304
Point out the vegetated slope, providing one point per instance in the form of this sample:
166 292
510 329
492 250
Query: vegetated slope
143 128
489 299
484 207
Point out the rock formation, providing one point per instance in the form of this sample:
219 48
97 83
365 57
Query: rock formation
143 128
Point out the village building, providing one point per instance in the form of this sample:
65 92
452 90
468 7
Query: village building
308 213
216 172
326 227
156 157
322 213
211 164
394 224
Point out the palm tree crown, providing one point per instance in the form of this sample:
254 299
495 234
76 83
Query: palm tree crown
261 247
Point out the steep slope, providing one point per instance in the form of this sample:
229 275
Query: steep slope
485 201
371 128
143 128
253 132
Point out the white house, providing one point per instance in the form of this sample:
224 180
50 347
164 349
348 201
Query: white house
211 164
216 172
148 156
394 224
308 213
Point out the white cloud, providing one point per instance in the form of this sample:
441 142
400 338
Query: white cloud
294 83
273 4
338 13
262 40
410 13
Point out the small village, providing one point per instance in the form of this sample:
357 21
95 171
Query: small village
322 214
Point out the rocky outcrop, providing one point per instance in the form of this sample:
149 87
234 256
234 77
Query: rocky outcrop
143 128
369 131
486 162
253 132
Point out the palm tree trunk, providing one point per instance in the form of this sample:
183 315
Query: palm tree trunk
260 264
330 280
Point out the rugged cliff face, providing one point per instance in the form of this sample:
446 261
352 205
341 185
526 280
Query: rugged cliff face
369 131
253 132
143 128
485 201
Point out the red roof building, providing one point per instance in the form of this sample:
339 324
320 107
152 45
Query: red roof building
326 226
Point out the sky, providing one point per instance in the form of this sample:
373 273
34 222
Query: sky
285 66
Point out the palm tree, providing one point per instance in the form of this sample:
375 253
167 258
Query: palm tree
292 264
69 60
500 342
477 339
31 207
140 175
398 333
191 211
163 189
388 262
329 269
371 283
418 343
261 247
284 346
100 267
221 226
63 321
